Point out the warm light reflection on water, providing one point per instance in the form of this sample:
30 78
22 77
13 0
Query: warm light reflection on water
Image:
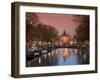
67 57
61 56
65 53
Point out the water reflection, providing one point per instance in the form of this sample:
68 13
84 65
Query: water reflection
61 56
68 57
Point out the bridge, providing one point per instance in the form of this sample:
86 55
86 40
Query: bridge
46 49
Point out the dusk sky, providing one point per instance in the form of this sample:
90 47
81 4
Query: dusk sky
60 21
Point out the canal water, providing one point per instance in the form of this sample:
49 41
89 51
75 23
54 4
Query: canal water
61 56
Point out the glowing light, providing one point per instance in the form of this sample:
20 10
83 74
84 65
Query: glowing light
39 60
66 53
49 54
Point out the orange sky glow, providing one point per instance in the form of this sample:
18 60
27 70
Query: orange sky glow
60 21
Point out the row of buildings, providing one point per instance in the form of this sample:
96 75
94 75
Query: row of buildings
64 39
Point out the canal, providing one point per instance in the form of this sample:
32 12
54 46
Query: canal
61 56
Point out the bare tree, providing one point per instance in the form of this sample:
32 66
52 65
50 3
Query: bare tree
82 30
